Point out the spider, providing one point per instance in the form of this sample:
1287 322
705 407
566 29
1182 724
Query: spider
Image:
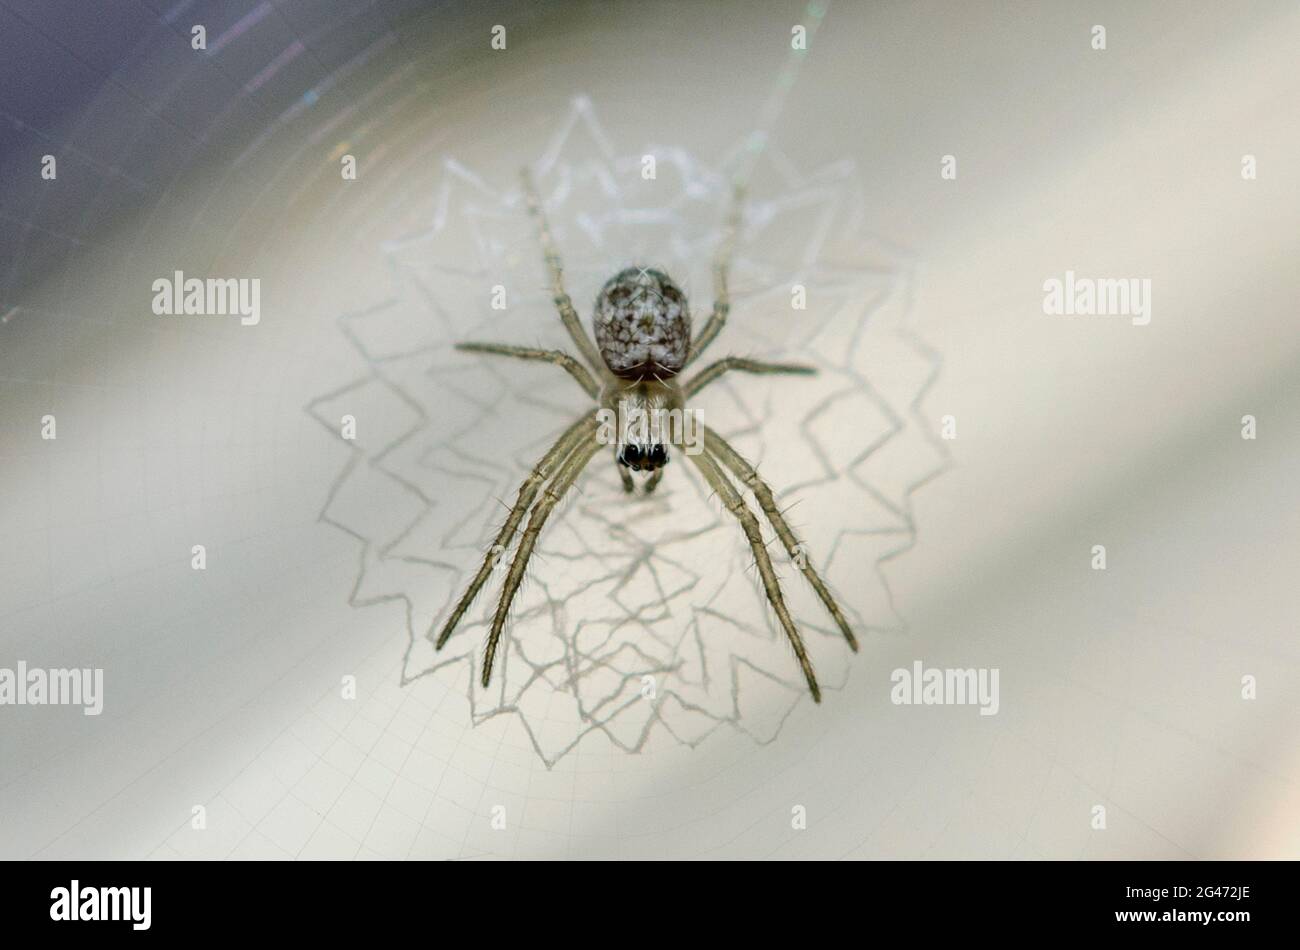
642 330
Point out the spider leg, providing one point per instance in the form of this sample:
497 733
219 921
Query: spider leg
549 463
560 484
721 271
628 485
555 269
734 503
750 478
558 357
714 370
653 482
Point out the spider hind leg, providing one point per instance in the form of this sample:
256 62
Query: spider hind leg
555 271
721 276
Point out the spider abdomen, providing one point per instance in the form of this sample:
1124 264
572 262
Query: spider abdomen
642 324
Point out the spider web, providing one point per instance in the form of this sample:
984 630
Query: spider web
642 617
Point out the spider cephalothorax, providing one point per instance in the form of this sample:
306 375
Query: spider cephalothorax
642 331
646 416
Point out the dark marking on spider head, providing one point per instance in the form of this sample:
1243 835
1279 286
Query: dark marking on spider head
642 324
643 458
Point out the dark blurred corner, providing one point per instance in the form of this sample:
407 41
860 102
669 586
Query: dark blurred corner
124 103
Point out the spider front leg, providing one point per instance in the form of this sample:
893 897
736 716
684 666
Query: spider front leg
560 484
629 486
653 482
554 268
733 502
585 427
721 274
750 478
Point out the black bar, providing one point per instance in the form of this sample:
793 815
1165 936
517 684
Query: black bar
333 900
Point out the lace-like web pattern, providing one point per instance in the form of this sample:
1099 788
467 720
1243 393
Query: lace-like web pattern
642 618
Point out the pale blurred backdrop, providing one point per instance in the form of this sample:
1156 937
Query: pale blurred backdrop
1120 689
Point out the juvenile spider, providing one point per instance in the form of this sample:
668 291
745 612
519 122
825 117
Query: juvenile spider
642 342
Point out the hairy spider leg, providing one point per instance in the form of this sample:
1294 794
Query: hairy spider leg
629 486
721 271
749 477
733 502
555 270
558 357
547 466
714 370
653 481
559 486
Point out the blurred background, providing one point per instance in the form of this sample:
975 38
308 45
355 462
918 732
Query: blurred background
1120 688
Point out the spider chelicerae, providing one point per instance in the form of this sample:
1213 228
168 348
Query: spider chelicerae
642 343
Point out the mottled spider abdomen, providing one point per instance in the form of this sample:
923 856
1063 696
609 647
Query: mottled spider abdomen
642 326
